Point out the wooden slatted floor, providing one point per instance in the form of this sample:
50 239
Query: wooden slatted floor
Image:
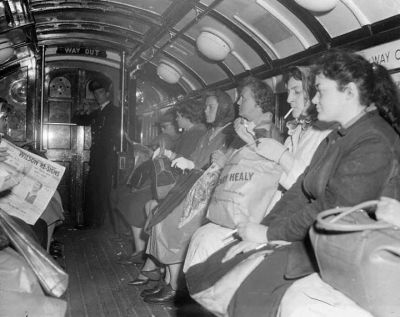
98 285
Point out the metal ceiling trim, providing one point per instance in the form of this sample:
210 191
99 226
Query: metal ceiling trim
118 10
286 22
258 34
359 15
79 25
59 38
309 20
241 60
189 83
174 14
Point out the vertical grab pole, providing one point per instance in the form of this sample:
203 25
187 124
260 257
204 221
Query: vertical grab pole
42 74
123 72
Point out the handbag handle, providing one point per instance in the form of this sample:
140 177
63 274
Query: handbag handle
331 224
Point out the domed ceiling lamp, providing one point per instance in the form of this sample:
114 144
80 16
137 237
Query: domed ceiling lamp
168 72
213 44
317 5
6 50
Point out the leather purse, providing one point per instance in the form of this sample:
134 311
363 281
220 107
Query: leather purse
165 176
360 257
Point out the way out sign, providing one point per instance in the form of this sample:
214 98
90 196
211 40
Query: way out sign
81 50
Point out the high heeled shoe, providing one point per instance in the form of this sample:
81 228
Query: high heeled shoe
145 276
153 290
165 295
135 258
153 275
139 281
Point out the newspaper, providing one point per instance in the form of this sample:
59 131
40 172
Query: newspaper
32 181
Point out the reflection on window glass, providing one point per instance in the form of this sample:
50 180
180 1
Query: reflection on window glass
13 88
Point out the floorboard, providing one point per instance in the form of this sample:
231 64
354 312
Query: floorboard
98 285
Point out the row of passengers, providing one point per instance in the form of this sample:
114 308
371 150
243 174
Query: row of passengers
357 161
168 244
283 158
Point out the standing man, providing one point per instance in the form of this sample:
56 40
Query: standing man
105 129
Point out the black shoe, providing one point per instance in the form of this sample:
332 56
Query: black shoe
88 227
153 290
153 275
135 258
165 295
139 281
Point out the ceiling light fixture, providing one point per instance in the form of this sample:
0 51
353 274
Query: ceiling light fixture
213 44
317 5
168 72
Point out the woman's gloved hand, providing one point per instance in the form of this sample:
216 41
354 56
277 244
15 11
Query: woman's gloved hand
388 210
245 130
218 157
270 149
167 153
183 163
243 247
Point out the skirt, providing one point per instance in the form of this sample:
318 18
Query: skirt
131 204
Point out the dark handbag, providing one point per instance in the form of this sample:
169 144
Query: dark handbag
175 196
165 176
360 257
141 176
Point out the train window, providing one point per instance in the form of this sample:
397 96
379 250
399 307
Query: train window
14 88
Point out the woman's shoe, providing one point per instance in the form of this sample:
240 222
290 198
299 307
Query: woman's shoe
139 281
153 290
135 258
166 295
153 275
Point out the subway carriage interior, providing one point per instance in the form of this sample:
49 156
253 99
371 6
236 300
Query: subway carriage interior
155 54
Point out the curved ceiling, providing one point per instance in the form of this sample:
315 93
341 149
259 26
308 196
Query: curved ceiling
267 35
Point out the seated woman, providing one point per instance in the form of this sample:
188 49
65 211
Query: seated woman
305 134
189 117
139 180
354 164
167 242
312 297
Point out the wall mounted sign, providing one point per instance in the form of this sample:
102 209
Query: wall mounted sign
387 54
81 50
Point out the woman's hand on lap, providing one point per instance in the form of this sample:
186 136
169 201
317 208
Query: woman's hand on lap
252 232
241 247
